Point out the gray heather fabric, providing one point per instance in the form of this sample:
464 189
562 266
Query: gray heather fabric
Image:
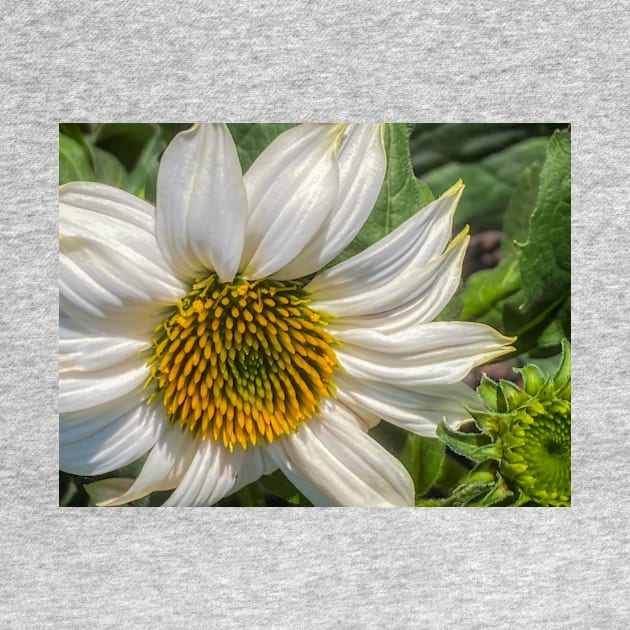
395 61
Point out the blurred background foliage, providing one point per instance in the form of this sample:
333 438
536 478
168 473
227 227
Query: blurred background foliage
516 274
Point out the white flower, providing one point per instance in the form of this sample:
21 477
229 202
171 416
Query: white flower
185 335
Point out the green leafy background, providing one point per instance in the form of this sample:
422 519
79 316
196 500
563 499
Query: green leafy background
518 182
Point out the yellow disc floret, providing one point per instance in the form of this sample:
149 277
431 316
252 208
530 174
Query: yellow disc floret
242 362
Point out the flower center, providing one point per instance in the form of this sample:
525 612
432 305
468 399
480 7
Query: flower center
243 361
541 452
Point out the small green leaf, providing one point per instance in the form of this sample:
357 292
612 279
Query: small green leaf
514 395
484 474
485 421
533 378
74 161
500 492
474 446
489 392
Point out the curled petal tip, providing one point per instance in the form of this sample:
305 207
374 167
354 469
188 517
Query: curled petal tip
456 188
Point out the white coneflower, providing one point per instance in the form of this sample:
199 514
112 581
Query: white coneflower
187 331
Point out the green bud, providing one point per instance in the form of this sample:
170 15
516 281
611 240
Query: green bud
525 440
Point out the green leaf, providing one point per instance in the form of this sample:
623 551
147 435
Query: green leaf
474 446
500 492
562 378
452 311
519 210
545 258
537 331
489 182
482 475
553 332
436 145
108 169
170 130
74 161
486 288
142 180
136 148
250 496
71 491
124 140
401 196
76 131
280 486
496 296
422 457
252 138
452 474
389 436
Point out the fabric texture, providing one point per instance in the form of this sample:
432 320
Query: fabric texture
327 61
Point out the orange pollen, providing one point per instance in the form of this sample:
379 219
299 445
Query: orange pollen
242 362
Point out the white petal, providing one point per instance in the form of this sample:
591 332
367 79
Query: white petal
109 201
83 390
256 463
411 245
113 277
80 423
100 378
171 459
291 188
85 351
362 165
114 445
414 295
433 353
331 454
366 420
201 203
426 299
104 412
310 488
164 468
106 489
211 475
417 409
